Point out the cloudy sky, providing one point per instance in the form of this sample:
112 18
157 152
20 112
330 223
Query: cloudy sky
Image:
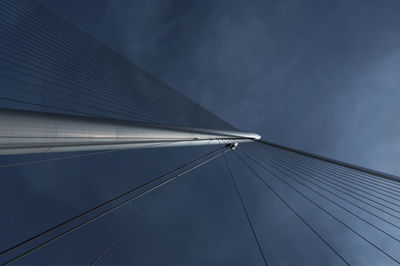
322 76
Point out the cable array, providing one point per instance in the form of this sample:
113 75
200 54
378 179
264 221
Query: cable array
357 195
47 64
110 205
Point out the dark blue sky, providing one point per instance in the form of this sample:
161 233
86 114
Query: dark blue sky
320 76
316 75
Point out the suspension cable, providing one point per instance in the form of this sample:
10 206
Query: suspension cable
245 210
294 211
123 203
